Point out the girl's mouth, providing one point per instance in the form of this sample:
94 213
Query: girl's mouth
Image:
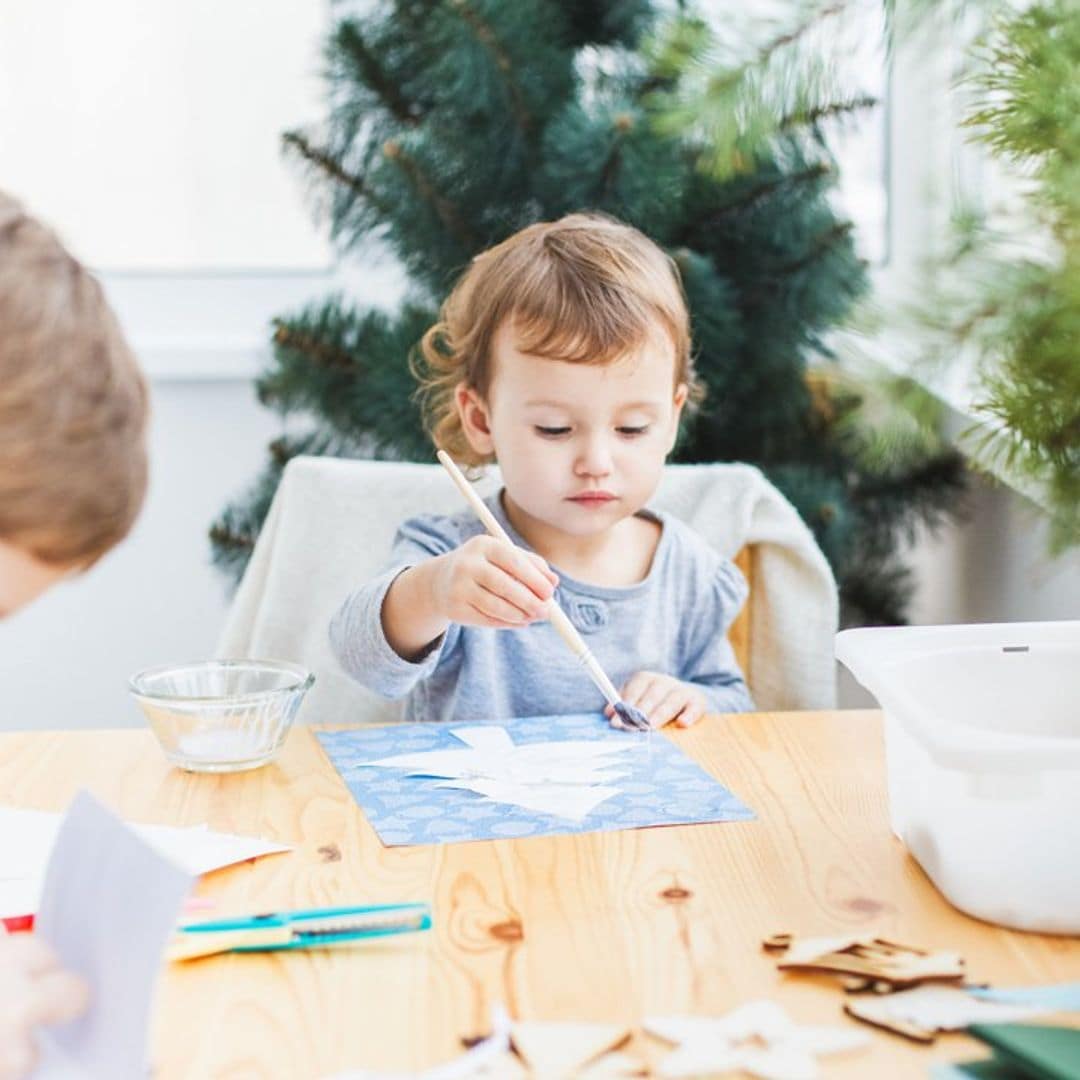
593 498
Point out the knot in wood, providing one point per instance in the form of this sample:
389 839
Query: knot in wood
330 853
676 894
510 930
864 905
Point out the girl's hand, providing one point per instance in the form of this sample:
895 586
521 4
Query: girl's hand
34 990
662 699
487 582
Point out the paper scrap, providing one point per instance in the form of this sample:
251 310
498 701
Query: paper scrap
109 905
562 800
29 836
759 1038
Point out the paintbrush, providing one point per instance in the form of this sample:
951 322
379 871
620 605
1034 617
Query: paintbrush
627 714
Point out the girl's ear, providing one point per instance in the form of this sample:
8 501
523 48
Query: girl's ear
475 419
681 392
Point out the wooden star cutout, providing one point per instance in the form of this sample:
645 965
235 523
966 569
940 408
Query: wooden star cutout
758 1038
555 1051
868 962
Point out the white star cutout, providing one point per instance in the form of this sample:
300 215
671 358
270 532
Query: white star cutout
758 1038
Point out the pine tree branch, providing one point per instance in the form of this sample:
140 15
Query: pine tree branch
748 198
281 452
623 124
316 350
442 206
324 160
824 243
812 116
490 41
875 594
793 35
353 45
226 539
941 472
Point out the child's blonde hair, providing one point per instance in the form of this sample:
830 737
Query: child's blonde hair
73 404
584 289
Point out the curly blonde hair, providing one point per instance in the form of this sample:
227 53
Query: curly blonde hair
73 403
583 289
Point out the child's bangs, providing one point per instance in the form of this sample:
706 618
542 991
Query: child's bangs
582 334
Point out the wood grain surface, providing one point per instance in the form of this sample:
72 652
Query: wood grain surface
603 927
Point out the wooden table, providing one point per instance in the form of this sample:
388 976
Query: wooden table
602 927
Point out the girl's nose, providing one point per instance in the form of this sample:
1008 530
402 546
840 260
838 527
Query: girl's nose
594 458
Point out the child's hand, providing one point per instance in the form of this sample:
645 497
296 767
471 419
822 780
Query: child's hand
34 990
662 699
487 582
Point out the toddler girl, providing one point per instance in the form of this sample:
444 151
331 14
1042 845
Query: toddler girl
562 354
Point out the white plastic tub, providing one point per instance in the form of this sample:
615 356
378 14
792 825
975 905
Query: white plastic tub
982 744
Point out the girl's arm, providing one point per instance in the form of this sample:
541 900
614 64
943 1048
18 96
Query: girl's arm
411 620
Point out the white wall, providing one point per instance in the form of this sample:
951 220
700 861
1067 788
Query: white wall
155 599
995 567
992 567
170 117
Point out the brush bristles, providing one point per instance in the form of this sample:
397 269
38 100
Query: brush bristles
631 717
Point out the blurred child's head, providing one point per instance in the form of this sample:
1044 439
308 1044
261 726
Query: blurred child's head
563 353
73 412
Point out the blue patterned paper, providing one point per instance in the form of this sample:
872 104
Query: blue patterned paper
664 787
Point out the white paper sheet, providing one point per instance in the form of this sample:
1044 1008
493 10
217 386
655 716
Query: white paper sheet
568 779
109 905
563 800
27 838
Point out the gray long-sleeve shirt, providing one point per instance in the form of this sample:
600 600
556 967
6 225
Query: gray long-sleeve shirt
675 621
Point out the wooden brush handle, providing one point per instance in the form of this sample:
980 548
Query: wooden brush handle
469 492
568 632
563 626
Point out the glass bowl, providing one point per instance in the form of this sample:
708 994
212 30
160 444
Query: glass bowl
221 715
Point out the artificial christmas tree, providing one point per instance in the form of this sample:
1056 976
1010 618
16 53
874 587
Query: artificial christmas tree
453 123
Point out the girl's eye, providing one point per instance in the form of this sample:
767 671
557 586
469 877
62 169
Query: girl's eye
632 431
552 432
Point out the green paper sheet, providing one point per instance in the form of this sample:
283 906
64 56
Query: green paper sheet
1036 1050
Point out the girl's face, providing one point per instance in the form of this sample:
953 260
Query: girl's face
580 446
